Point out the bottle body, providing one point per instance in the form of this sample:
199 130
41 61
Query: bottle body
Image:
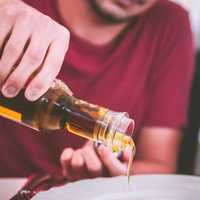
58 110
54 110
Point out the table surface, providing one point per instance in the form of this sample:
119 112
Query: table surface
142 187
10 186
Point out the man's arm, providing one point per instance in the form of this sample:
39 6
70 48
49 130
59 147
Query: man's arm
3 1
157 150
32 49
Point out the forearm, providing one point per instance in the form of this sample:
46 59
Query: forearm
7 1
148 167
4 1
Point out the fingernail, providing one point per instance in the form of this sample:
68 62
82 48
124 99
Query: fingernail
32 94
10 91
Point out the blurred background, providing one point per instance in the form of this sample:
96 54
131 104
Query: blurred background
189 161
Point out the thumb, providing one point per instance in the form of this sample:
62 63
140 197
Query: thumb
126 155
114 166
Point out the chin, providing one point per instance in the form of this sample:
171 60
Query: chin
110 11
114 11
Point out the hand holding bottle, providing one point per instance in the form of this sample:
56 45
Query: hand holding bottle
32 49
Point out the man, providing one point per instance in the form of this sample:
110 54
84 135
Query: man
127 55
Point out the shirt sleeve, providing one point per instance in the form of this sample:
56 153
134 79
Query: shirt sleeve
171 76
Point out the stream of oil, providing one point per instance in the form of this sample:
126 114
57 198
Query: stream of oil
120 143
130 168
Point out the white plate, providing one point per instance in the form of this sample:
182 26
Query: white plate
142 187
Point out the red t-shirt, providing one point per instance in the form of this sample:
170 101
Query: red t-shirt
146 72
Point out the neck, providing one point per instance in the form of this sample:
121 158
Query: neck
82 19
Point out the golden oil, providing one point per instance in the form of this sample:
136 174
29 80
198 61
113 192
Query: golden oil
58 110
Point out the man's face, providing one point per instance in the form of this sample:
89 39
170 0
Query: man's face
121 10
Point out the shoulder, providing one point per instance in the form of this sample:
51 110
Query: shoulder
169 18
168 10
169 22
164 19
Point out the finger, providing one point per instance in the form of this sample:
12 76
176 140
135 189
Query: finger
4 32
13 50
30 62
126 155
50 69
77 166
92 162
65 160
58 82
114 166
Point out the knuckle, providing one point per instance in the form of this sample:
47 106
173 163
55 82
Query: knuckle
12 9
23 13
46 22
47 19
9 11
64 34
34 57
60 34
13 49
30 17
26 15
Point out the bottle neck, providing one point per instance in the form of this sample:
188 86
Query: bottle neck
114 129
